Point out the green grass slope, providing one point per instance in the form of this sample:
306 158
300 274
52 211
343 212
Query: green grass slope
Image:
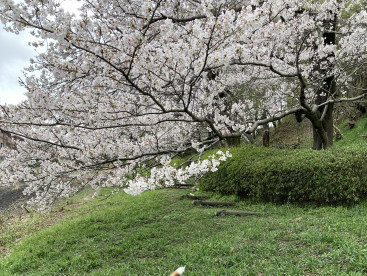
289 134
156 232
356 136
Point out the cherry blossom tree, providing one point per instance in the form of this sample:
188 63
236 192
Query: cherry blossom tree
125 85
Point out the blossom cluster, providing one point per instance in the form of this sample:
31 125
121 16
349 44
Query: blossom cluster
125 82
167 175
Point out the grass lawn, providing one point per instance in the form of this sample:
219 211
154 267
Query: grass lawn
157 232
357 135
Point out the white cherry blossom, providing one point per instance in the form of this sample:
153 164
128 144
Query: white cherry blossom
125 82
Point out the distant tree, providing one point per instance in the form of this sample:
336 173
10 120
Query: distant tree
126 83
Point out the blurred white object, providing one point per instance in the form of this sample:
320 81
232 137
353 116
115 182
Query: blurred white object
179 271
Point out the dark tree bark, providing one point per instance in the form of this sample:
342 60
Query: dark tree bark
266 138
323 121
266 133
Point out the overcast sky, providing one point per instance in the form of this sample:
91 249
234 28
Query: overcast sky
14 56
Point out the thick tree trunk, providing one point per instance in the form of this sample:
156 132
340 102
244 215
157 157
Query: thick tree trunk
317 141
320 139
266 138
266 133
323 124
323 131
328 124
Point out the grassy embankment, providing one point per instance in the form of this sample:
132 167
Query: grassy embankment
156 232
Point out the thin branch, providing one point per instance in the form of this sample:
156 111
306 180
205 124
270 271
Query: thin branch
273 118
40 140
344 100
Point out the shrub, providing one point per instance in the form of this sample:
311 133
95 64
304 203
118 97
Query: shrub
333 176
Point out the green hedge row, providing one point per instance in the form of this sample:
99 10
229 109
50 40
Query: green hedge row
334 176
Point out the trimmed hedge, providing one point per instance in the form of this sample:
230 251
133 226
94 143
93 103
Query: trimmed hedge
334 176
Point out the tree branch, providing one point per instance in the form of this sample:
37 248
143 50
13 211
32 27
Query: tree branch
273 118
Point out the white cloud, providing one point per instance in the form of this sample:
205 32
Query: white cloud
14 56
